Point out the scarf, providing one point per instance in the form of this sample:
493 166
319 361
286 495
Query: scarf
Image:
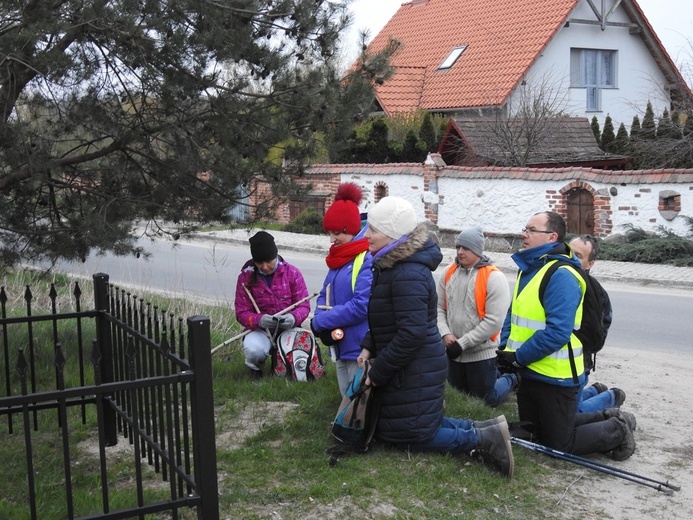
342 254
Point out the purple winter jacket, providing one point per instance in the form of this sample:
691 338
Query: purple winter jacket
288 287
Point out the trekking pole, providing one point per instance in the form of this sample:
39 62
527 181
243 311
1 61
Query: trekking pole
246 332
664 487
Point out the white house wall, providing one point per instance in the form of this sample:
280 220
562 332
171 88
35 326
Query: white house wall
502 204
637 205
408 187
497 205
639 79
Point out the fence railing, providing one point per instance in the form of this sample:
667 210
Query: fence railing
150 384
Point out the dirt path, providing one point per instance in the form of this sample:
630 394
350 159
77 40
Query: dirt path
657 387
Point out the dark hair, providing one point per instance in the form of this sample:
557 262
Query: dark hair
589 239
555 223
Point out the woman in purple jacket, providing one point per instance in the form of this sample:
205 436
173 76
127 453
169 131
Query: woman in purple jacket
340 314
274 285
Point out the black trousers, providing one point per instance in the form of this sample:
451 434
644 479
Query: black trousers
552 408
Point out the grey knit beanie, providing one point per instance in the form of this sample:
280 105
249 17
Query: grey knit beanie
472 239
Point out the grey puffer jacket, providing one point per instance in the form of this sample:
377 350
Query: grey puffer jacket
409 362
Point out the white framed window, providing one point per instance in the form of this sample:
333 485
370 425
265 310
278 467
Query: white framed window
593 70
452 57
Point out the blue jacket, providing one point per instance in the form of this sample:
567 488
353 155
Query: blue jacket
561 301
409 362
349 306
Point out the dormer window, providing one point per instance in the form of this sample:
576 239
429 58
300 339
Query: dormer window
452 57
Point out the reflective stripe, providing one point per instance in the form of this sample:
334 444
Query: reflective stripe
565 353
528 317
527 323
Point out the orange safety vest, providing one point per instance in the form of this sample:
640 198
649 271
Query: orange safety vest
479 289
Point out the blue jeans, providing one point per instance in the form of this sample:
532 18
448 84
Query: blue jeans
453 436
589 401
481 379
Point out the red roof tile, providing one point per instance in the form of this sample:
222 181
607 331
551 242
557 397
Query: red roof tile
509 34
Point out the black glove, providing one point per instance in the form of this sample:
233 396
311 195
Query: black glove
507 360
453 350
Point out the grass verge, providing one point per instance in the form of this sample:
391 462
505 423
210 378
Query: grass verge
272 437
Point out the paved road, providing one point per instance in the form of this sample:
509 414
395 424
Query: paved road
651 317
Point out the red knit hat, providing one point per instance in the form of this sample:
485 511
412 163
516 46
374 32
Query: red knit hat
343 215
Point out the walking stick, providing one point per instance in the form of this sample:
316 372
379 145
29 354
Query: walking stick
664 487
246 332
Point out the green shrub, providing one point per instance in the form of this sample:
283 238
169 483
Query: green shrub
663 247
308 222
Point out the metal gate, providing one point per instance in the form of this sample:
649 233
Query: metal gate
151 386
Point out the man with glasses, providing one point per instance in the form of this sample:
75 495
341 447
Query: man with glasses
538 341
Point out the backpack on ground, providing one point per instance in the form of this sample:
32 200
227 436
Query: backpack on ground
354 425
297 356
591 332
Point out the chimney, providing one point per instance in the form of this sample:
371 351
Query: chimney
418 3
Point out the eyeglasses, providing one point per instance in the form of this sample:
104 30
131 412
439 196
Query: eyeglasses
529 231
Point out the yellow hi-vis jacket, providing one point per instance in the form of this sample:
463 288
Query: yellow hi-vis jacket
528 316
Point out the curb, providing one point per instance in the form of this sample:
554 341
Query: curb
682 282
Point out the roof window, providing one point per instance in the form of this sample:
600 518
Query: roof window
452 57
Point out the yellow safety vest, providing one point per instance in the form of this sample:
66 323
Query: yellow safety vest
356 268
527 317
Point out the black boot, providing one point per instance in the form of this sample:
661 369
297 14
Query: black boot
494 447
627 446
255 374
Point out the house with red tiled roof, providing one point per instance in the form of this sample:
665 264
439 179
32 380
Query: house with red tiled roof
472 58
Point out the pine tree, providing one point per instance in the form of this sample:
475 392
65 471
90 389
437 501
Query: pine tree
377 143
160 110
427 134
608 136
595 128
665 128
410 151
635 129
649 128
620 144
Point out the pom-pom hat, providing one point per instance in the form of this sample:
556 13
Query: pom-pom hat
343 215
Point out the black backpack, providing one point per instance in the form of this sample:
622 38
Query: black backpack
592 331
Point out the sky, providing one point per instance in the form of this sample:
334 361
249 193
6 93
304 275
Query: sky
672 20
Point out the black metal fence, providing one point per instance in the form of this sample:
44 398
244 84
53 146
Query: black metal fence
150 385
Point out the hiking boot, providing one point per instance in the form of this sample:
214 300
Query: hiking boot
494 447
627 446
600 387
255 374
627 417
619 397
477 425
